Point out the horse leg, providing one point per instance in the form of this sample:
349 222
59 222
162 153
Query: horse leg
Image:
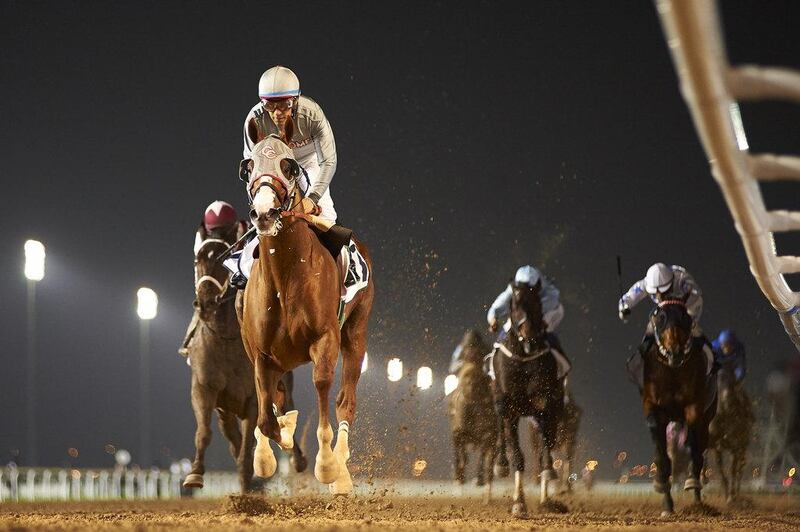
324 354
721 466
353 347
698 442
519 508
229 427
298 459
658 433
244 461
549 426
203 401
460 458
267 427
501 460
486 464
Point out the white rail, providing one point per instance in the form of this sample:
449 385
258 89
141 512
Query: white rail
711 88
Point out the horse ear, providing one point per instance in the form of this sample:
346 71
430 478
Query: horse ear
245 167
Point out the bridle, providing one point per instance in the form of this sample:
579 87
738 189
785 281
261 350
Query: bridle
663 356
222 288
526 342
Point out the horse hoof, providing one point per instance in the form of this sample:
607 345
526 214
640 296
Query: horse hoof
519 510
667 513
547 475
288 424
326 473
300 463
501 470
341 486
691 484
193 480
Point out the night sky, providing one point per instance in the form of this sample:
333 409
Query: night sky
473 137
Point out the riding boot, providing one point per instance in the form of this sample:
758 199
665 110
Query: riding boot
183 350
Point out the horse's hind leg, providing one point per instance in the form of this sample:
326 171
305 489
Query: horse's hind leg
460 458
244 460
229 427
203 401
298 459
722 475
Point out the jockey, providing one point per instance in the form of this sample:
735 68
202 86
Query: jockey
220 221
552 309
728 349
300 122
661 283
471 340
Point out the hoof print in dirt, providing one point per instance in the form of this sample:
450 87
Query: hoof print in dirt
247 504
700 509
552 506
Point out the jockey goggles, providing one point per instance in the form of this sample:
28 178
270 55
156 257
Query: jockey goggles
284 104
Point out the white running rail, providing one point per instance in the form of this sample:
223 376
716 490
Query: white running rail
711 88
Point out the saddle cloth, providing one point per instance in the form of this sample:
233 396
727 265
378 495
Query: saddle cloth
562 362
353 269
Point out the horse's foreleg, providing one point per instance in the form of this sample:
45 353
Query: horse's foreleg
519 508
267 427
324 354
487 463
697 436
549 425
501 458
203 401
460 456
658 433
229 427
720 459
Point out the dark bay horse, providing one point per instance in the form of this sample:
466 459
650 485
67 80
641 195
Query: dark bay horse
289 316
222 375
471 412
676 388
527 384
731 430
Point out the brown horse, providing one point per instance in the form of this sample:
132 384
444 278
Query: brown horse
289 316
527 384
731 430
566 441
222 376
676 388
471 412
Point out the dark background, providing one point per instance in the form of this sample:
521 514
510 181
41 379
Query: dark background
473 137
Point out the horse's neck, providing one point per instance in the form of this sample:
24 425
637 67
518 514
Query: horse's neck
273 250
225 322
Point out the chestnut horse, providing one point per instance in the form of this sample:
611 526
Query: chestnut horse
676 388
527 384
289 316
222 376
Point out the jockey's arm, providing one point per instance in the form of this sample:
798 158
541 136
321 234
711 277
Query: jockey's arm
250 133
687 284
500 308
635 295
325 146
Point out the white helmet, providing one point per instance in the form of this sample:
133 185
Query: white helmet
658 279
527 275
278 82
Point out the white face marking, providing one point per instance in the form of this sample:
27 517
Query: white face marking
265 200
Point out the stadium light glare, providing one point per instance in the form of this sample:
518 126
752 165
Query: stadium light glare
34 260
424 378
394 369
450 384
147 307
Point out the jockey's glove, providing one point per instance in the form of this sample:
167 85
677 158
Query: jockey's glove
624 312
309 206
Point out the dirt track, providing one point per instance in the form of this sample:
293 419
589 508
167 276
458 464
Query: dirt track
382 511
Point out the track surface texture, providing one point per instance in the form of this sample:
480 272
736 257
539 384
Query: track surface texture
387 510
